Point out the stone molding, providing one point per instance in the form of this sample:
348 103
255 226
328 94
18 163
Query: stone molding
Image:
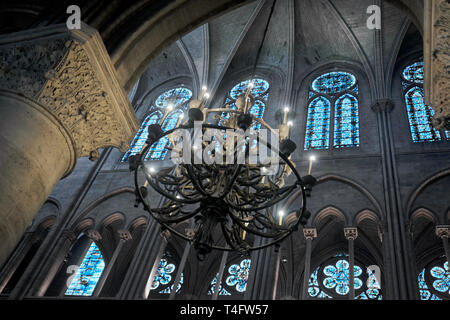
437 60
70 74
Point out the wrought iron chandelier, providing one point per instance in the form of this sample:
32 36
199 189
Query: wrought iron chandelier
230 201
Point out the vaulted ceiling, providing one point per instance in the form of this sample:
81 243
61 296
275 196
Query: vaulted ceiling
302 35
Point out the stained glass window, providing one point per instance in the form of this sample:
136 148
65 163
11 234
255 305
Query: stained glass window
222 290
346 124
332 280
259 91
420 115
338 90
163 281
141 137
438 284
88 274
318 124
175 98
238 275
334 82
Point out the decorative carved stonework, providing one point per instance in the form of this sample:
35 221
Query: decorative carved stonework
125 235
437 60
94 235
443 231
382 105
351 233
70 74
310 233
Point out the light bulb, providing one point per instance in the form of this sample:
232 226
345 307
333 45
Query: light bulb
290 124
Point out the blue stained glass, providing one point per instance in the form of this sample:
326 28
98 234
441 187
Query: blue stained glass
159 150
414 72
336 278
318 124
420 117
442 276
140 138
212 288
334 82
260 87
239 275
447 134
311 94
346 122
425 293
259 91
176 97
356 90
165 274
88 274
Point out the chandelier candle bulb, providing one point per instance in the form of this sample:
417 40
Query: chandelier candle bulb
311 160
286 111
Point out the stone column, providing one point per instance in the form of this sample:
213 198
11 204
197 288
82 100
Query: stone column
223 263
165 235
187 248
16 259
351 234
443 232
309 234
124 236
437 60
59 100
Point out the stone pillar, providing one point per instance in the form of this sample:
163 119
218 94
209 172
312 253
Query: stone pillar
309 234
16 259
223 263
443 232
59 100
187 248
165 235
124 236
351 234
437 60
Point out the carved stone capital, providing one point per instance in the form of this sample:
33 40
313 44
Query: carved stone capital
443 231
70 74
437 60
351 233
92 234
382 105
125 235
310 233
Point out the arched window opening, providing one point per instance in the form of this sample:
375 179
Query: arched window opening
174 99
234 279
259 92
164 280
434 281
340 91
331 280
420 115
88 274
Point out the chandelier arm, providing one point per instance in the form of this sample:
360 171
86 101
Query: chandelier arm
226 236
178 220
231 182
194 181
251 230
